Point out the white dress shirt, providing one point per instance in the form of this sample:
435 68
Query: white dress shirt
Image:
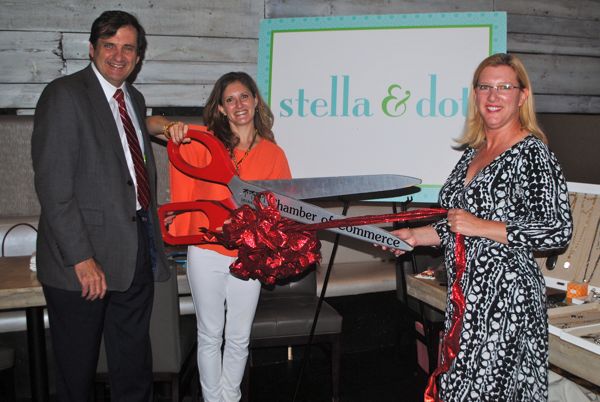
109 92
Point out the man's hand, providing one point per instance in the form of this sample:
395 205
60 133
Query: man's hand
177 133
169 218
92 280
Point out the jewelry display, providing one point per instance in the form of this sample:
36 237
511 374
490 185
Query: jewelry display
593 248
555 304
592 297
585 214
576 289
576 320
593 338
567 263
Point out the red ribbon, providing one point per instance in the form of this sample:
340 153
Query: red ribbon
268 250
451 341
408 216
271 248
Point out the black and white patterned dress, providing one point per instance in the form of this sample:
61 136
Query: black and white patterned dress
503 353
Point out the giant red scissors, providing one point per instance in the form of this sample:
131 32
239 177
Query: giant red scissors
222 171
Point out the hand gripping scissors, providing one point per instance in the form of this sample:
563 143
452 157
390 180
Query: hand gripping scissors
221 170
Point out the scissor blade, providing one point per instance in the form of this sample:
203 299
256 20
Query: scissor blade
323 187
244 193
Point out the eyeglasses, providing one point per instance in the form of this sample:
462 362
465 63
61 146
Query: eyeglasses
502 89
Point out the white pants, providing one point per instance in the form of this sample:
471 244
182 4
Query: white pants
222 301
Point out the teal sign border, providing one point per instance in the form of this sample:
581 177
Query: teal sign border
269 28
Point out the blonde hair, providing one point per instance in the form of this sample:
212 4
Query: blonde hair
474 135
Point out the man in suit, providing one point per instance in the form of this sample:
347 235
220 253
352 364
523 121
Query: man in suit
99 248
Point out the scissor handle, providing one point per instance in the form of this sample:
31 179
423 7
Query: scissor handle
215 211
219 170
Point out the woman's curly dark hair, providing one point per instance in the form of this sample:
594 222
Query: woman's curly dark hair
219 125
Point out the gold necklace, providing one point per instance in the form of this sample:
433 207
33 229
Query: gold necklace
592 249
584 214
237 163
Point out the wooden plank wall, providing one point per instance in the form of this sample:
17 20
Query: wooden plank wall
191 43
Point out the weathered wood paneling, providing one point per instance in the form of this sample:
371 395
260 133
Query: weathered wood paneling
174 72
289 9
550 25
193 43
314 8
30 56
567 104
212 18
358 7
226 50
579 9
25 96
546 44
169 95
176 48
20 95
564 75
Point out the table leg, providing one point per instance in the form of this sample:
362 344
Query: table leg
38 365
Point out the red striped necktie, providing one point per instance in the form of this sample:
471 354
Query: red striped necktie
141 176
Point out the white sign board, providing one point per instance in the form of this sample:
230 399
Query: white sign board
374 94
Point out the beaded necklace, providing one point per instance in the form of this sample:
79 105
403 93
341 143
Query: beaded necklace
237 163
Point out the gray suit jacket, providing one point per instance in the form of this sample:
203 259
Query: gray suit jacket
85 190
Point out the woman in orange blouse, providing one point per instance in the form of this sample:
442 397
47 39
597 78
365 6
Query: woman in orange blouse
236 113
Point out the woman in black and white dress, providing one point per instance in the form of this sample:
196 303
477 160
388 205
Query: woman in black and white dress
507 196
